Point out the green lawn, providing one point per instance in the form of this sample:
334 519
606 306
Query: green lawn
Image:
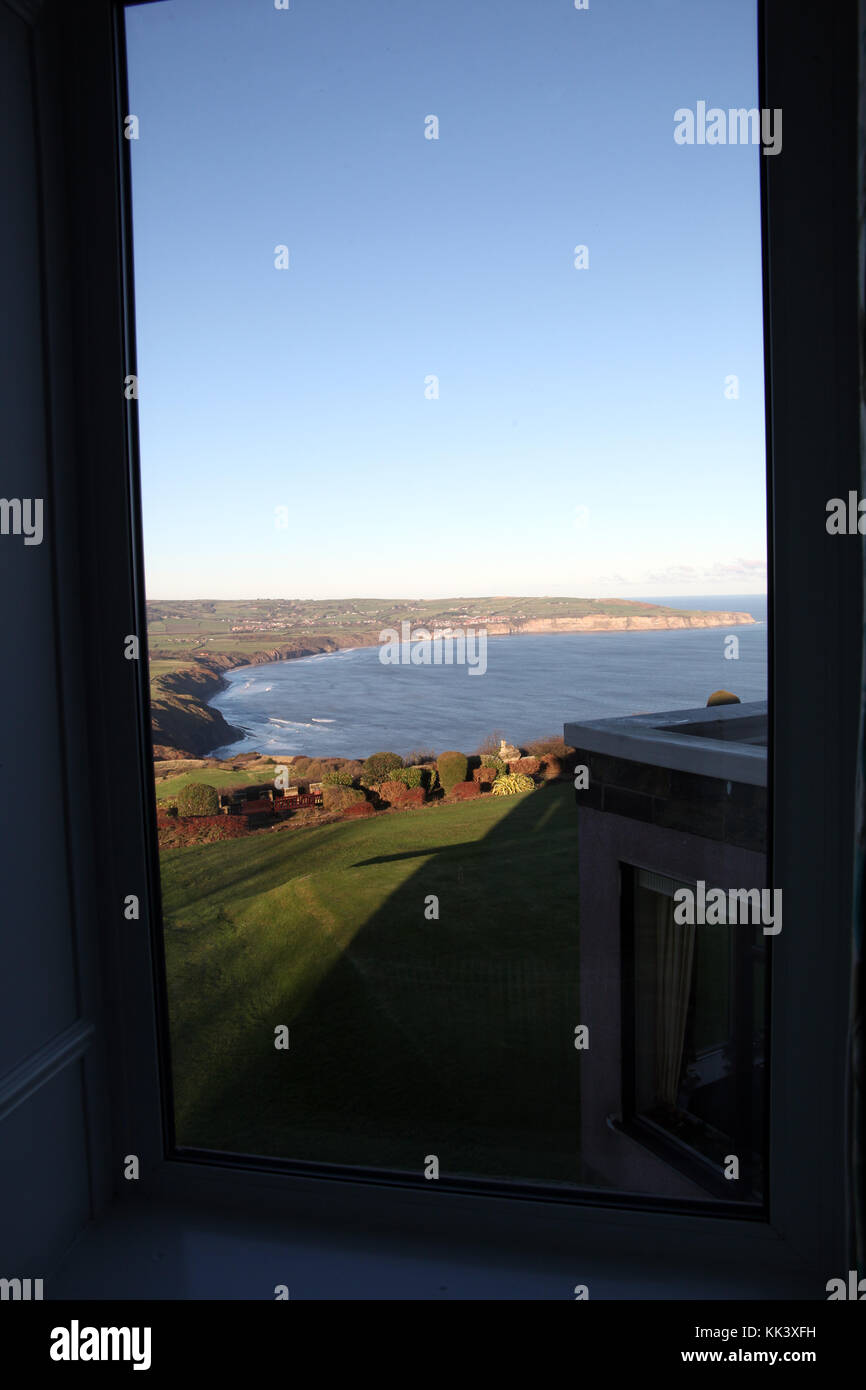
222 778
408 1036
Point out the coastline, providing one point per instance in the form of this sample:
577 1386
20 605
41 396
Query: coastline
185 724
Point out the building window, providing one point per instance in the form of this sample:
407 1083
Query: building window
696 1036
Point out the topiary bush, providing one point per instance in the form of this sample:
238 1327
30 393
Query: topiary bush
337 779
453 768
198 799
337 798
379 766
510 783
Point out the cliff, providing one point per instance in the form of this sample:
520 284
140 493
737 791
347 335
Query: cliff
600 622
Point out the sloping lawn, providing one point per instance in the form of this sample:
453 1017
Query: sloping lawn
224 779
408 1036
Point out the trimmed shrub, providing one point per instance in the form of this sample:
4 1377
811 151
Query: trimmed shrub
492 760
453 768
341 798
484 776
361 808
391 792
528 766
337 779
198 799
398 794
409 776
379 766
464 791
414 796
510 783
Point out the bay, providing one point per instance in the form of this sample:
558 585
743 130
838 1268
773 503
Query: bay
348 704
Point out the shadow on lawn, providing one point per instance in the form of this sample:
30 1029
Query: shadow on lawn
449 1036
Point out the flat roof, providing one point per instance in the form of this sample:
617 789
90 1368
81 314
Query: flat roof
727 742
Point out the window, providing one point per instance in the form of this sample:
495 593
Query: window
379 960
811 844
696 1036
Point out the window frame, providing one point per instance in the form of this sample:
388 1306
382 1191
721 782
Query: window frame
803 67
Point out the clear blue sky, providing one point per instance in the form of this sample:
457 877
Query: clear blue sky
582 442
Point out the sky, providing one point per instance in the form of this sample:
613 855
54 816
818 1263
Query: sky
585 439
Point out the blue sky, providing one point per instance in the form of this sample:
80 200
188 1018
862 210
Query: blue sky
582 442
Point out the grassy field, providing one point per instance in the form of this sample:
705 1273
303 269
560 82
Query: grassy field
224 779
408 1036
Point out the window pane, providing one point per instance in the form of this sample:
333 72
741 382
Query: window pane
451 407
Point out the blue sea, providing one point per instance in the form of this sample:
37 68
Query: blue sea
348 704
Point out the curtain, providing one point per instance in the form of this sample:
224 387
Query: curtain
675 952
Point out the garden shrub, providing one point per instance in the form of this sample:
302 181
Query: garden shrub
509 783
379 766
361 808
337 779
414 796
555 745
409 776
453 768
551 767
336 798
198 799
484 776
492 760
528 766
398 794
465 791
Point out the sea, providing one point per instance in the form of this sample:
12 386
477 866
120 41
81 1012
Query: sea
349 704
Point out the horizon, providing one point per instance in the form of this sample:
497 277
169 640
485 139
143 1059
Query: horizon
441 598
